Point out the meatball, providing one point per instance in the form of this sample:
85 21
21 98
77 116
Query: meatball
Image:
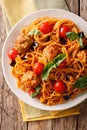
30 79
51 51
23 43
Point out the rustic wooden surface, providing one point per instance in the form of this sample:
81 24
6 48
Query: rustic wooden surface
10 114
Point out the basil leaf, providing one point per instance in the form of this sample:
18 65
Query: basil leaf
37 90
81 43
47 70
35 32
53 64
72 35
81 82
33 94
58 59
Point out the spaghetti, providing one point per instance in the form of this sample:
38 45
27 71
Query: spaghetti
34 46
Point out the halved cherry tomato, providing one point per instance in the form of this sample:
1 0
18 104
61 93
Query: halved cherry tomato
38 68
12 54
59 86
62 65
46 27
63 30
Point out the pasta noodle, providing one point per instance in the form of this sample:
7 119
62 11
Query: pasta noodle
76 61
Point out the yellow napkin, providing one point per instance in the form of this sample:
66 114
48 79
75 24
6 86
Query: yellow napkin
14 10
30 113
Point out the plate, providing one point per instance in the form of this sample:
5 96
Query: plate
9 43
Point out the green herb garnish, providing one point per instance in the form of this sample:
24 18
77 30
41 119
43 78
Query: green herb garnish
81 82
35 32
37 90
73 36
53 64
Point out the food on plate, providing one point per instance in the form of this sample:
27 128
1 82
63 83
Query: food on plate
49 60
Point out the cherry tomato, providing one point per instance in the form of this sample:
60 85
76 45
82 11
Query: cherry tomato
59 86
12 53
63 30
31 91
45 27
38 68
62 65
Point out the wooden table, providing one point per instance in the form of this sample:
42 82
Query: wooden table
10 114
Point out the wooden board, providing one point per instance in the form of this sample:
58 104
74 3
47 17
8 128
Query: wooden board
10 114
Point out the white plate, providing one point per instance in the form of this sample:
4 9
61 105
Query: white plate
9 43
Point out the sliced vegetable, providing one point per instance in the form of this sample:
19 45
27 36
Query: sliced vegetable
81 82
35 32
34 45
37 90
38 68
46 27
59 86
24 57
66 97
12 54
53 64
63 31
13 62
81 34
73 36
